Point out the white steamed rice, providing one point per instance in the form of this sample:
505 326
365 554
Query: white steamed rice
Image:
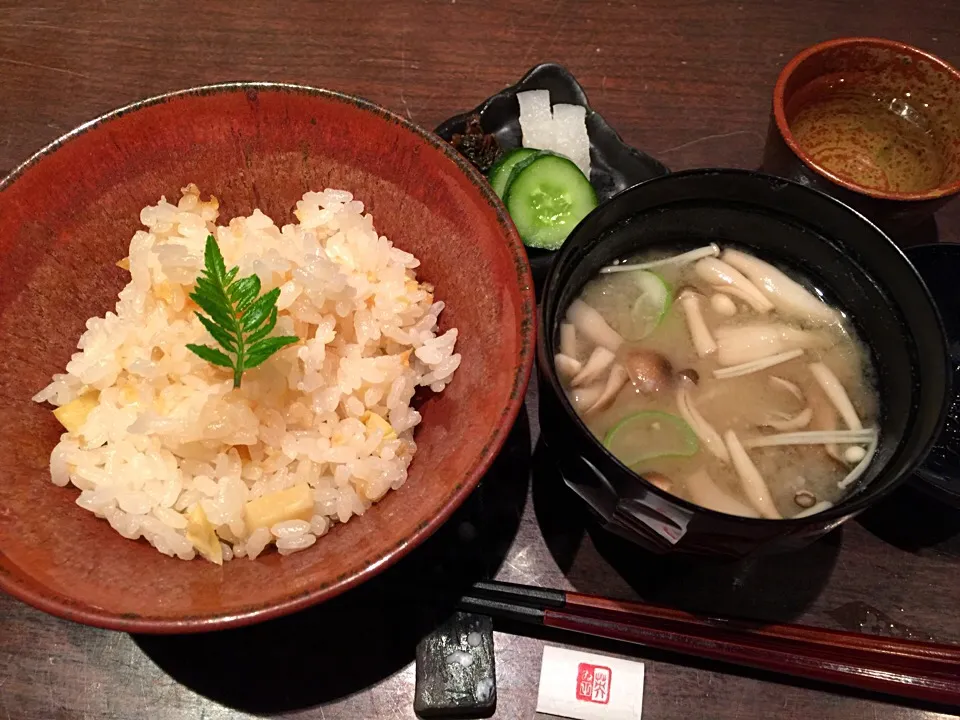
168 431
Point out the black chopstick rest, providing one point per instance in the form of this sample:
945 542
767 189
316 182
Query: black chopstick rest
456 674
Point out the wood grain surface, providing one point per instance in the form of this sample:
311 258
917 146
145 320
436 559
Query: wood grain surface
688 81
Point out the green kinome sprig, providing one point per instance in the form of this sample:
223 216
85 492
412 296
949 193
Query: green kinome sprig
238 319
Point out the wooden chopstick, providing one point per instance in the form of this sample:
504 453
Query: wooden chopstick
924 671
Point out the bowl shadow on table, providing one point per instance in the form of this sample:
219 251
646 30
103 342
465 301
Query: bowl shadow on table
775 588
913 521
352 642
925 232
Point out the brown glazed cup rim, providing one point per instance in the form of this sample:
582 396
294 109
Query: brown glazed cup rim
64 607
784 128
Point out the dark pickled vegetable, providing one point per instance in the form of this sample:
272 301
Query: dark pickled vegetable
480 148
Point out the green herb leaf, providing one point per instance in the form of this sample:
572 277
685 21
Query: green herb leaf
214 307
206 287
213 261
218 333
265 348
260 310
211 355
244 291
235 317
266 329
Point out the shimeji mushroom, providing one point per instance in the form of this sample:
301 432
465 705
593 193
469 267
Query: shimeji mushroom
854 454
567 367
786 294
723 305
756 365
754 486
601 394
834 391
658 479
824 419
650 371
814 437
704 491
703 341
722 275
786 423
805 499
861 466
584 398
568 340
790 387
814 509
704 431
615 380
591 325
782 421
741 344
597 364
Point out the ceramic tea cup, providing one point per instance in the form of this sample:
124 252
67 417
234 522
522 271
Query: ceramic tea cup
873 122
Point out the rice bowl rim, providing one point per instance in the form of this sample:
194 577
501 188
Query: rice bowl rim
39 596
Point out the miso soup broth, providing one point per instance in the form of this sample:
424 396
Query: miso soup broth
723 381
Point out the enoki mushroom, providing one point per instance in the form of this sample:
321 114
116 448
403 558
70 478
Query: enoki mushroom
711 250
756 365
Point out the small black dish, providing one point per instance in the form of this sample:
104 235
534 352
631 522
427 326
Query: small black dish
856 266
939 266
615 166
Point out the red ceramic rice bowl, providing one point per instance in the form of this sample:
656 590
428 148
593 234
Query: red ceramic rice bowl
67 216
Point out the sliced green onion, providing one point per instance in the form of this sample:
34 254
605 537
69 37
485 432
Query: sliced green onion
650 434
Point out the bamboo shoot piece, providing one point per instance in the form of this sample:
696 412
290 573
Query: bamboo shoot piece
74 414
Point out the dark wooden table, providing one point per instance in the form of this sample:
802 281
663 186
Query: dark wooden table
686 80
